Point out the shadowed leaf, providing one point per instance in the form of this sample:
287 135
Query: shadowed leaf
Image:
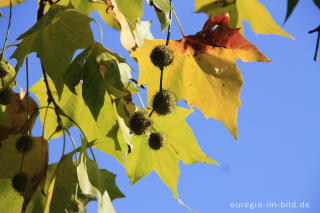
55 38
291 5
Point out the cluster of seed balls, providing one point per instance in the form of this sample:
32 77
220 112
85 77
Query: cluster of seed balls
5 93
20 181
163 103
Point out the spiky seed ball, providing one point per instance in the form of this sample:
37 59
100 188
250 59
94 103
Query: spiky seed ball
162 56
19 182
3 68
164 102
3 72
157 140
139 123
5 96
74 206
24 144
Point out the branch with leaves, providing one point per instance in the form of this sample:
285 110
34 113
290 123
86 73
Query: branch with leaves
93 92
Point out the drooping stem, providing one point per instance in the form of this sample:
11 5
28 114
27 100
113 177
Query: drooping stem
74 145
161 77
7 35
167 43
318 41
27 96
175 15
169 27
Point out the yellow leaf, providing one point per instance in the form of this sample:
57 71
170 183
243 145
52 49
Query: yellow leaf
250 10
204 71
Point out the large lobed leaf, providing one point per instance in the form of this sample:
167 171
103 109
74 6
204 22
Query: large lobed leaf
204 72
181 145
250 10
55 38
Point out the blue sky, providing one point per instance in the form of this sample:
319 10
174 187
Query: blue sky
276 158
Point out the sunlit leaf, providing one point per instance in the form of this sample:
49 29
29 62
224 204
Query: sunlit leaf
6 3
55 38
181 145
250 10
142 31
204 72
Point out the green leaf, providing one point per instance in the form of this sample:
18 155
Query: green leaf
75 107
181 145
162 8
317 3
95 181
87 7
93 88
101 70
132 12
142 31
73 74
62 186
291 5
250 10
55 38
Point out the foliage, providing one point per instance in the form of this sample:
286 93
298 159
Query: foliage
93 91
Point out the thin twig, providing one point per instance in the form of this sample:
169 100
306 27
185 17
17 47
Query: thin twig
161 77
318 40
74 144
175 15
27 76
141 102
7 35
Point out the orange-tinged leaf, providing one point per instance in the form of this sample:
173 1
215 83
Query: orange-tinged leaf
250 10
204 71
17 111
126 36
